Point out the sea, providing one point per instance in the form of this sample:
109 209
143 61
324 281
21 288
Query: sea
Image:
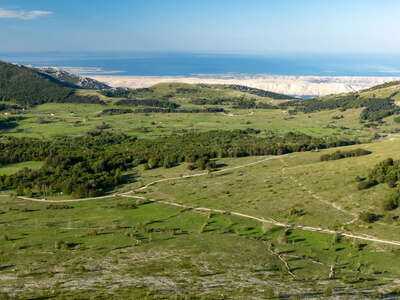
212 64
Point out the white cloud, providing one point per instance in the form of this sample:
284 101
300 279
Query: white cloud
23 15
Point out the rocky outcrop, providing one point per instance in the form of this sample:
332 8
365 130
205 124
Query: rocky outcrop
73 79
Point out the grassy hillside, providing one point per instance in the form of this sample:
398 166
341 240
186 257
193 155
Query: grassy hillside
206 192
27 87
378 102
130 247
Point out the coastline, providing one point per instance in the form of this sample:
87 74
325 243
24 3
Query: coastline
291 85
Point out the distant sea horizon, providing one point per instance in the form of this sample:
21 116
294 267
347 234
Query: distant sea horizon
209 64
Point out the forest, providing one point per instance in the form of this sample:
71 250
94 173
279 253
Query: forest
27 87
344 154
387 171
374 109
91 165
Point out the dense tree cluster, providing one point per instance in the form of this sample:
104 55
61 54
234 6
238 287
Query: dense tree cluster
115 111
237 103
344 154
382 86
387 171
8 106
75 98
120 111
377 109
250 90
28 87
374 109
252 104
92 164
207 101
84 166
117 93
148 102
9 122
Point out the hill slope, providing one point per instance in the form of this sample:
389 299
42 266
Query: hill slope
76 80
377 102
26 86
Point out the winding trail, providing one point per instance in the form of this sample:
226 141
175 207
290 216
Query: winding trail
357 236
317 197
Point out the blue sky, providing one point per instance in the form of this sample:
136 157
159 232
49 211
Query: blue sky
238 26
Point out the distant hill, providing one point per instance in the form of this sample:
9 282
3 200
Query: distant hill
26 86
378 102
76 80
253 91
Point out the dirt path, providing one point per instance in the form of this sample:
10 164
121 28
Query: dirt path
363 237
317 197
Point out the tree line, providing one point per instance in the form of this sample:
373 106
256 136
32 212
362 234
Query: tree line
344 154
387 171
93 164
147 102
28 87
374 109
120 111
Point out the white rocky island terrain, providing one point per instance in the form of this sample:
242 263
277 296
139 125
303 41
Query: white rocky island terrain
291 85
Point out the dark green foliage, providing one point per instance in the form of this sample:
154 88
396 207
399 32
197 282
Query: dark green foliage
366 184
74 98
58 206
351 100
382 86
344 154
387 171
90 165
117 111
6 106
397 119
148 102
368 217
393 201
117 93
207 101
252 104
238 103
257 92
377 109
10 122
126 205
28 87
374 109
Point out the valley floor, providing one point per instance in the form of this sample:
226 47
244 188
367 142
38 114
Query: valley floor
186 241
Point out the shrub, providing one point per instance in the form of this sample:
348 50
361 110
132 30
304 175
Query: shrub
368 217
60 245
393 201
344 154
366 184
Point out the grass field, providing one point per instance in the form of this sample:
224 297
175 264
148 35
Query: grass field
68 119
125 248
14 168
300 182
140 249
104 249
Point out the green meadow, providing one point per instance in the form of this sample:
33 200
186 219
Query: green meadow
138 248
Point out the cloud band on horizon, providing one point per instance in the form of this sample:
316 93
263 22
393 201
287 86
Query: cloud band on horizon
23 15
